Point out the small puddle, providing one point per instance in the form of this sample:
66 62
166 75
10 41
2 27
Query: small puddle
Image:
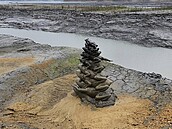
158 60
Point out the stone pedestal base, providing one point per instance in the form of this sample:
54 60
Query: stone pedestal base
98 103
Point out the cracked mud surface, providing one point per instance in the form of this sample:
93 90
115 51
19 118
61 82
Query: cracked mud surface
38 94
151 29
143 85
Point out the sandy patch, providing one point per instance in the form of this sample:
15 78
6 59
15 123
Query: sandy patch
50 105
70 112
9 64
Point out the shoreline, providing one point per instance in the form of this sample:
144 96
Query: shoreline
44 78
16 48
148 28
36 79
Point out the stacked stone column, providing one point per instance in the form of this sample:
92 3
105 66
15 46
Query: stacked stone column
91 86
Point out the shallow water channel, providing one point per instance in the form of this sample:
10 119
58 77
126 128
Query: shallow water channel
158 60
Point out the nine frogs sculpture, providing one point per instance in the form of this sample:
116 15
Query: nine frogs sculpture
92 86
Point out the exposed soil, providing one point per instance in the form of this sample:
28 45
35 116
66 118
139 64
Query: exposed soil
36 94
45 107
147 28
10 64
36 65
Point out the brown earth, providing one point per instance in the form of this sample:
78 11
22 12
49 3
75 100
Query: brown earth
39 96
50 105
9 64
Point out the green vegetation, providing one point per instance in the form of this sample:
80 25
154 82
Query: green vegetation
2 53
85 8
60 67
104 8
147 9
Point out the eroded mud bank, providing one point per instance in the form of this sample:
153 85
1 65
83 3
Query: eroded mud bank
149 29
33 91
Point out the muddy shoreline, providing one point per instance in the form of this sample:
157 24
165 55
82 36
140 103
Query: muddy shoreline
36 80
143 85
147 28
48 75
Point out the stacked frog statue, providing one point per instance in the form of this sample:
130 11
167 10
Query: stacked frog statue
93 87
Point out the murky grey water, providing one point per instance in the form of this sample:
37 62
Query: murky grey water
158 60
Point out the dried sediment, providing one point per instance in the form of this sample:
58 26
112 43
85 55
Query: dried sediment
33 96
143 85
150 86
151 29
46 63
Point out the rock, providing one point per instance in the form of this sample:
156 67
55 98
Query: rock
92 86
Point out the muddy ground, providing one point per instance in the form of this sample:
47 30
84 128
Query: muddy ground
36 80
36 92
147 28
